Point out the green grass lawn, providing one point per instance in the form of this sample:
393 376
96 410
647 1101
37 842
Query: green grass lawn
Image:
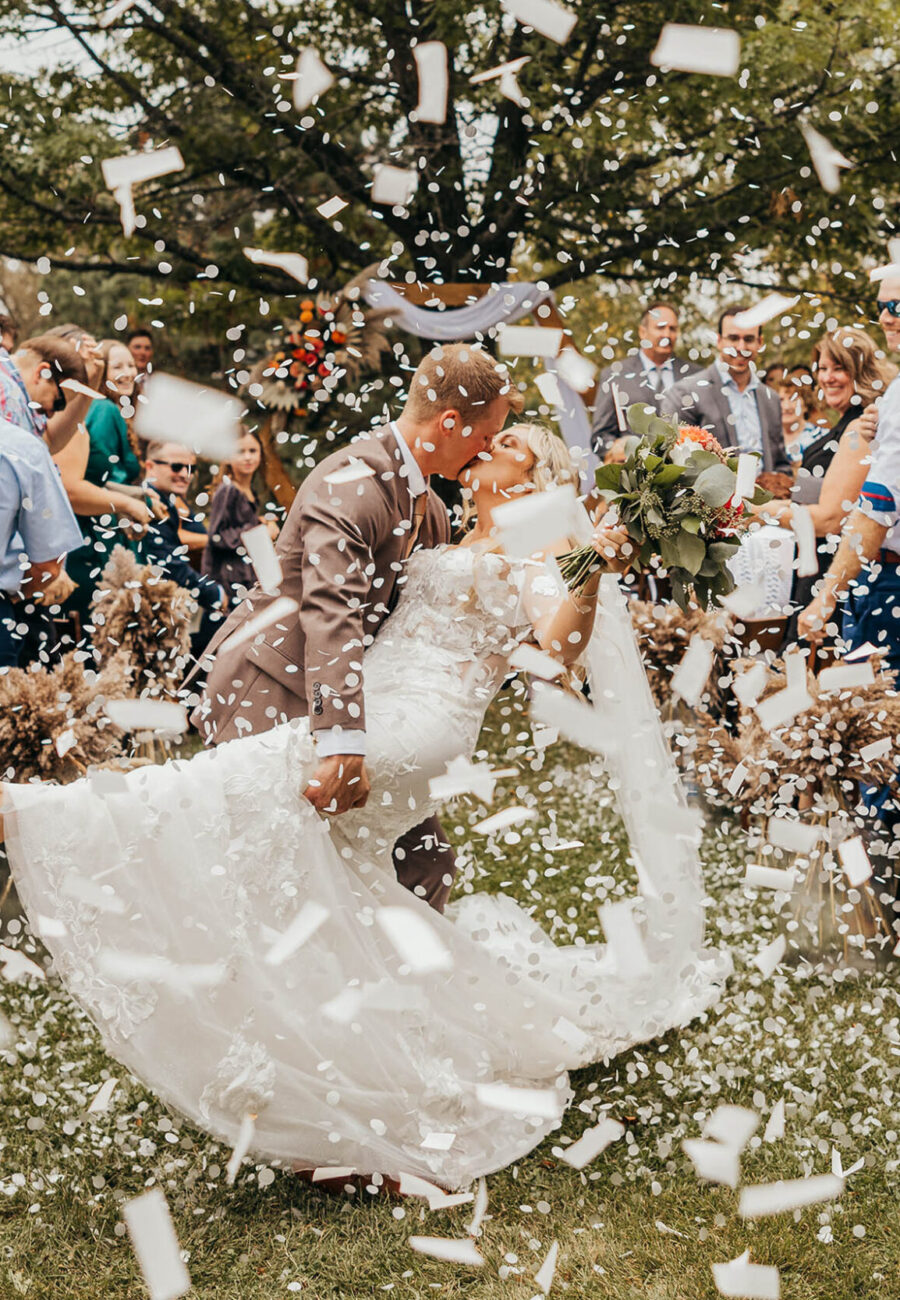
635 1223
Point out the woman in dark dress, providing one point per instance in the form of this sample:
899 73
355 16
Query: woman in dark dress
234 510
851 375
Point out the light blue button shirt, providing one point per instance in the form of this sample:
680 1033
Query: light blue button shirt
659 377
748 432
880 494
36 520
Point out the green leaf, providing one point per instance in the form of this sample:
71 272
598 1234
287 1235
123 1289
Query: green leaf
639 416
608 477
668 475
760 496
715 486
691 551
723 551
691 523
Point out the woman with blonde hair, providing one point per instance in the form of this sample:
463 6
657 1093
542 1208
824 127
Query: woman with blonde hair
851 374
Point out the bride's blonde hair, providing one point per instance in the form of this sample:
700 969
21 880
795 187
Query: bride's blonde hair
553 463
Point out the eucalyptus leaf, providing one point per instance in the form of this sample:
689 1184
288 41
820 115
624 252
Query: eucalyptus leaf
667 475
691 552
639 416
691 523
608 477
715 486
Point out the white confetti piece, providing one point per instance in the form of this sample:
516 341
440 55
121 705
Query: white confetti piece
733 1126
49 927
543 737
575 370
537 663
774 304
855 860
826 160
748 687
862 652
795 836
154 969
311 79
570 1034
540 1103
745 478
503 820
591 1144
304 925
282 608
528 341
16 966
782 707
114 13
769 957
393 186
758 877
431 66
879 273
473 1227
624 939
573 718
491 74
713 1161
550 19
534 521
744 602
805 535
543 1278
414 939
438 1142
737 779
877 749
293 264
331 207
795 670
775 1123
437 1198
352 472
747 1281
163 716
775 1198
549 389
65 741
154 1241
102 1097
838 1169
331 1173
713 51
465 777
121 175
842 677
690 677
207 419
84 390
258 544
452 1250
241 1147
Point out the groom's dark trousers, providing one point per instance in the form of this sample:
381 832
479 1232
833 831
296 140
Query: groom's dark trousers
341 549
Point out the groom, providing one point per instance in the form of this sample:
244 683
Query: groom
354 522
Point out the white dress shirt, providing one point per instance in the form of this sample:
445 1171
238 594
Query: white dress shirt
880 494
659 377
349 740
748 432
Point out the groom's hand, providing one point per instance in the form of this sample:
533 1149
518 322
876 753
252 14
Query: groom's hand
339 782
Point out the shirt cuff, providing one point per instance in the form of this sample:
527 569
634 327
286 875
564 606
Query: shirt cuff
339 740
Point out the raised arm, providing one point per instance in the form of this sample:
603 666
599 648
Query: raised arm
563 623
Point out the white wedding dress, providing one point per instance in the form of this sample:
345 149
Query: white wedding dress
160 894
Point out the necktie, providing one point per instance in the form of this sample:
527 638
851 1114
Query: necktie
420 505
653 378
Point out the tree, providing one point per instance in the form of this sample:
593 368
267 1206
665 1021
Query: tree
612 168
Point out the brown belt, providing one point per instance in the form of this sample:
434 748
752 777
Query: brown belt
888 557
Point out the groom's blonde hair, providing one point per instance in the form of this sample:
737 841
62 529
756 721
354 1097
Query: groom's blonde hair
460 377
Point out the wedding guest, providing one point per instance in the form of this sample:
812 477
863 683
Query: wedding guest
773 374
98 466
140 345
871 535
62 425
37 528
168 469
728 397
643 377
235 508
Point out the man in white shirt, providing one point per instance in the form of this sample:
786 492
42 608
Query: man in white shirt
641 378
730 400
871 537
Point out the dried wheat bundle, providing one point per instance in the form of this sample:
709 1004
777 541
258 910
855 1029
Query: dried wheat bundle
664 633
147 617
820 751
52 721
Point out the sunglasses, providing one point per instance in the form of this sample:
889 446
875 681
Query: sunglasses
176 466
890 305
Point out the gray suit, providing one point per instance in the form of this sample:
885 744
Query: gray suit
701 400
633 385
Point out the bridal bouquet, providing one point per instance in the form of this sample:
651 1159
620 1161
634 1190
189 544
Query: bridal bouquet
676 494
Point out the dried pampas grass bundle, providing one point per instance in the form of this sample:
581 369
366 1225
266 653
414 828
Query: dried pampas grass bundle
146 617
52 722
664 632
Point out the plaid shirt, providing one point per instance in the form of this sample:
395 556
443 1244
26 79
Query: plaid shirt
15 404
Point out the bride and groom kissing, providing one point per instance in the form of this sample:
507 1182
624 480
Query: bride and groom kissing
241 926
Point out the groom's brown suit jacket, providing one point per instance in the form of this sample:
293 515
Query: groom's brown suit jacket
341 550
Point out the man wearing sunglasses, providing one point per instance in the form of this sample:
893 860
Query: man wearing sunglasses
168 470
871 536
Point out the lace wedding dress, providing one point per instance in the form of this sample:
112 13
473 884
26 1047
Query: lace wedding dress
162 895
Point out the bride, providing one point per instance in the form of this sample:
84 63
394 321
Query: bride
260 968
